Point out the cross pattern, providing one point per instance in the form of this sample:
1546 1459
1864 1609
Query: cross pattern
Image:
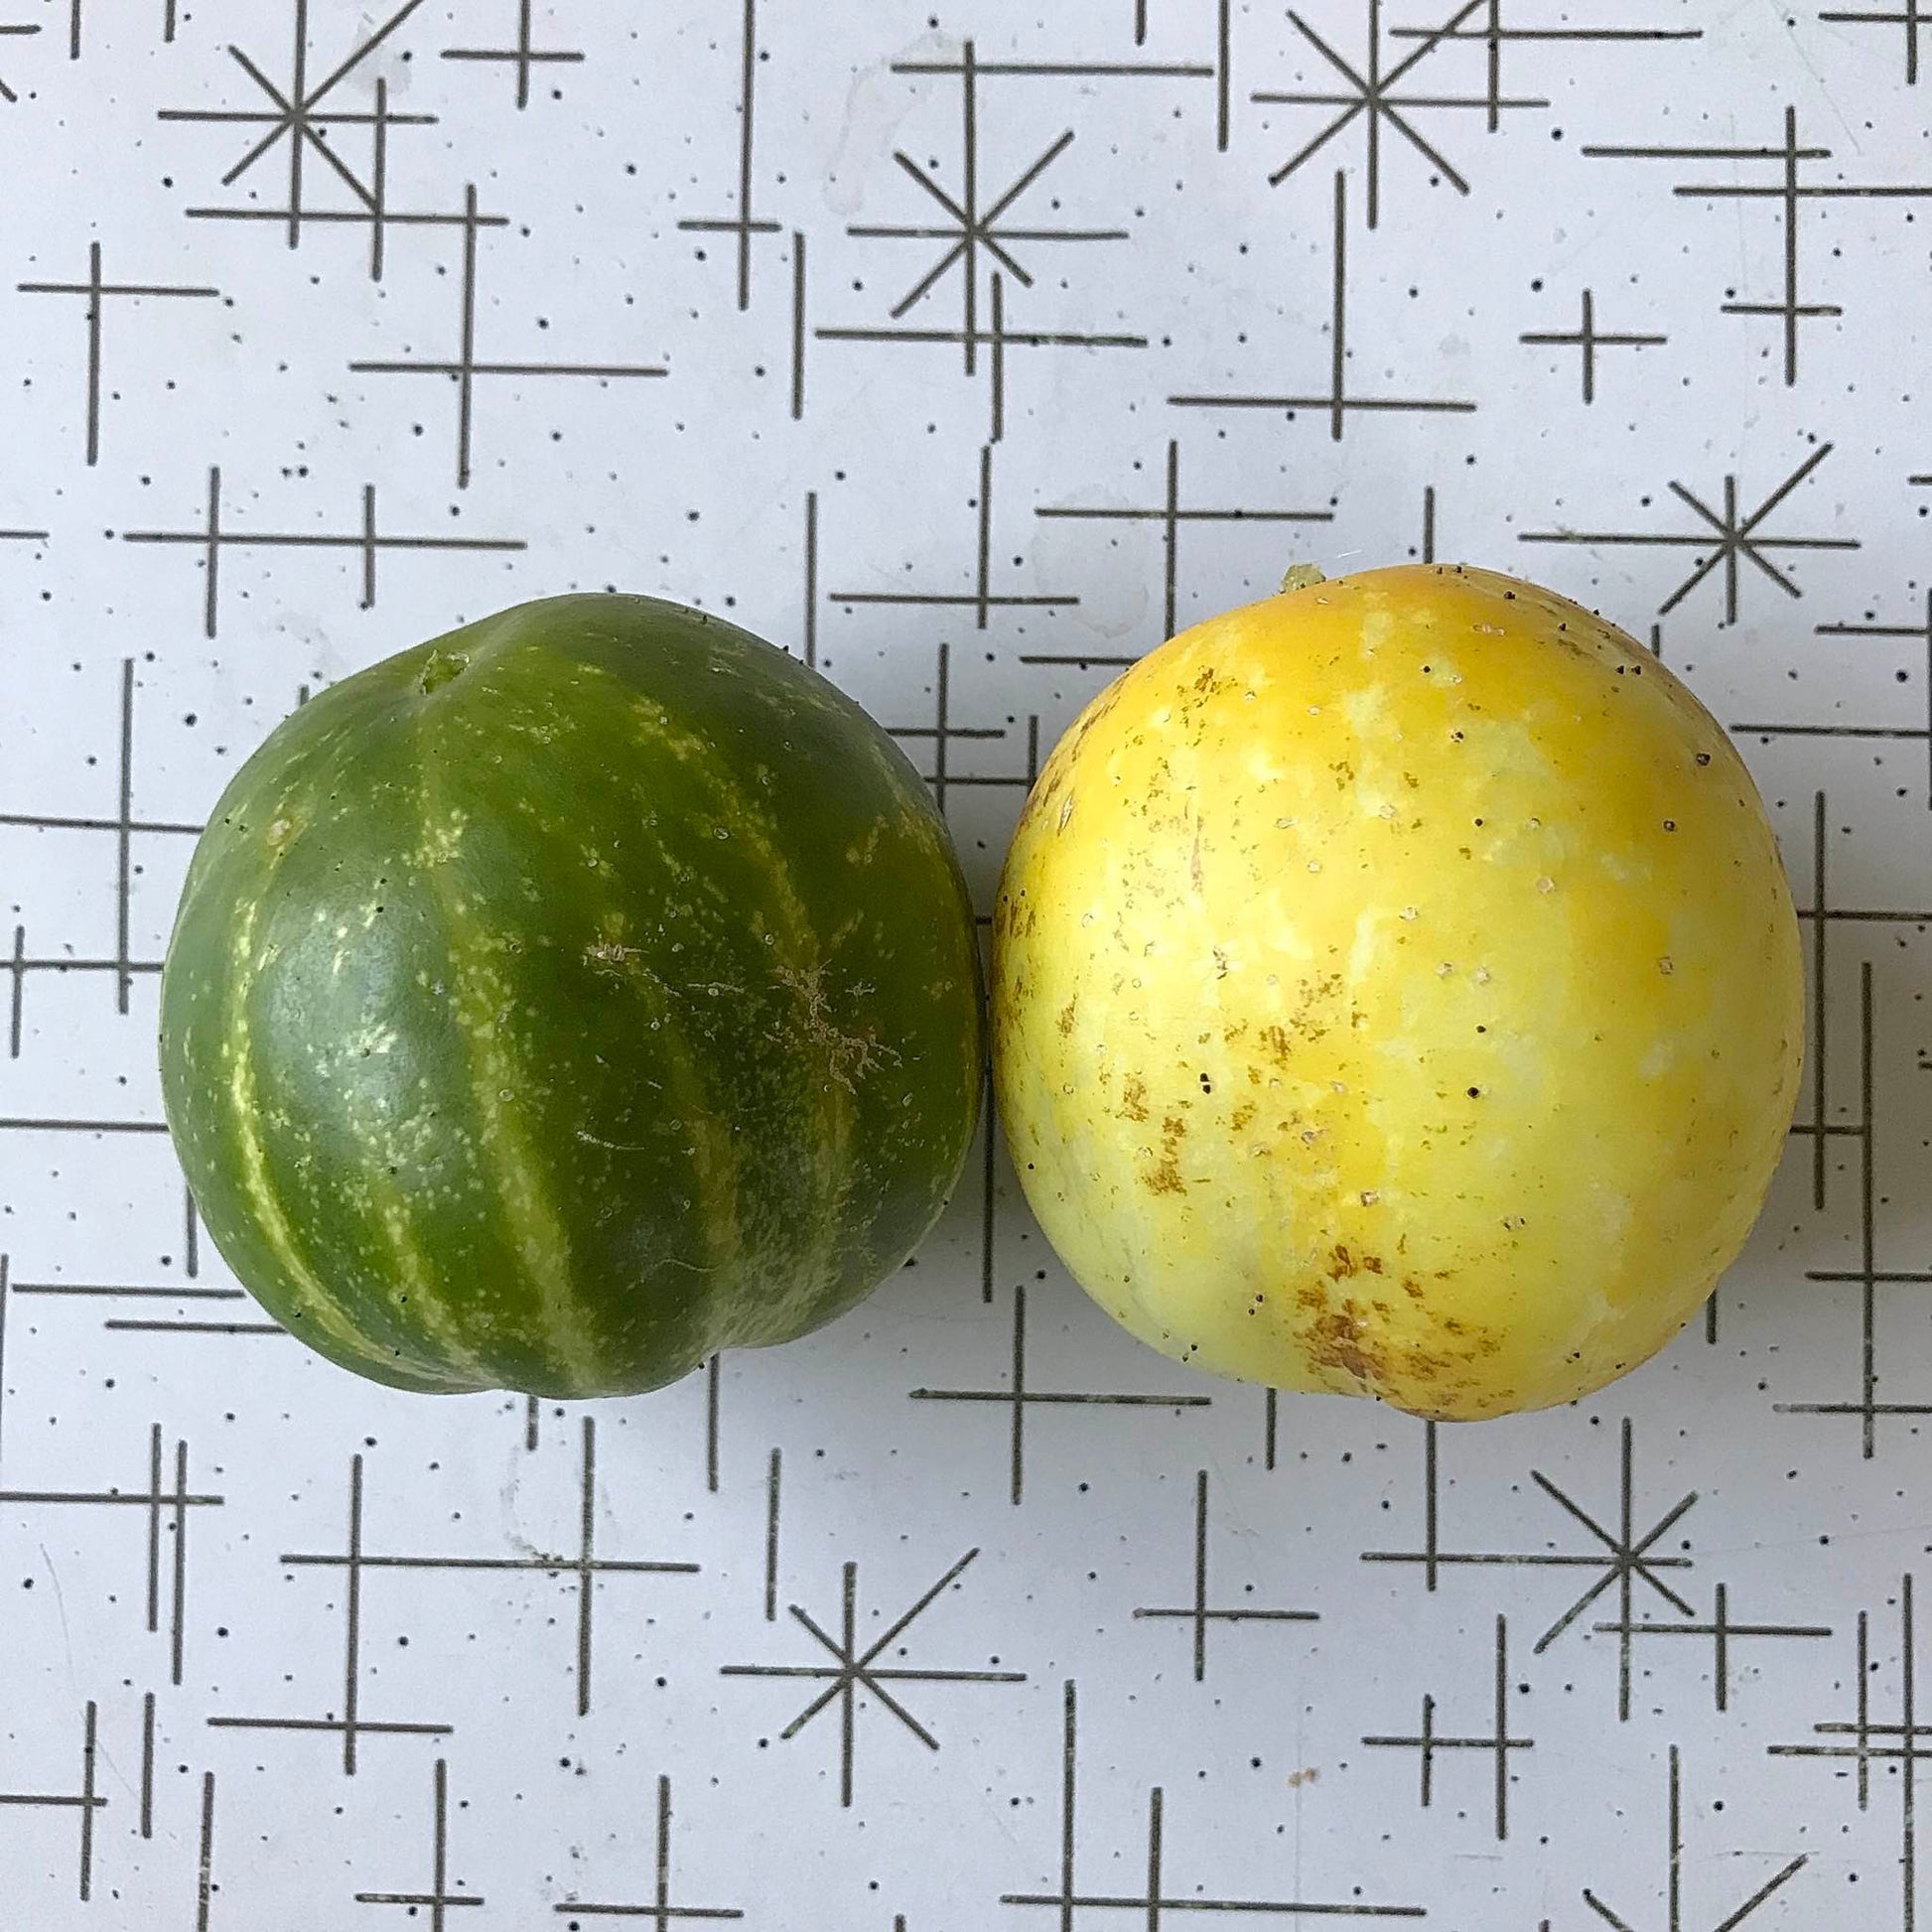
1197 1613
1673 1874
1722 1633
298 121
1337 404
742 224
1365 96
467 368
523 57
982 598
660 1911
853 1672
1895 734
125 828
1590 340
1172 513
587 1570
367 543
1726 537
19 965
1861 1742
995 336
942 734
165 1512
1821 915
1499 1743
1789 192
1161 1895
1868 1276
1017 1397
1913 16
968 229
439 1900
1219 71
96 292
352 1726
1491 33
83 1803
1623 1559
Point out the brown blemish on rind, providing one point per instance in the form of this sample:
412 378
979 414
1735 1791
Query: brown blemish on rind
1335 1341
1165 1179
1066 1017
1343 1263
1133 1099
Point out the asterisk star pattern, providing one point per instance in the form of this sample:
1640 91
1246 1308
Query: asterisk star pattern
1367 98
853 1671
1627 1560
1673 1874
1726 537
974 232
298 115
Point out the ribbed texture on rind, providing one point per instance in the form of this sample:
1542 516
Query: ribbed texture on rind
611 1000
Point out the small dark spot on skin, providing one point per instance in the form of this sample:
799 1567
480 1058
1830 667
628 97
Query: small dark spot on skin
1133 1099
1703 757
1670 825
1475 1094
1066 1017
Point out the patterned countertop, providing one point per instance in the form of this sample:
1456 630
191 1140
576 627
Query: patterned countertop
965 355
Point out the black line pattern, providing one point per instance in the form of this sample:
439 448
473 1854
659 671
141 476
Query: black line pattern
1865 1742
523 57
1498 1744
366 543
1199 1614
742 224
1674 1872
1018 1395
1172 513
1338 403
300 125
1790 191
466 367
854 1673
587 1569
1157 1898
83 1803
1589 341
660 1908
1720 536
164 1514
439 1900
1622 1558
96 292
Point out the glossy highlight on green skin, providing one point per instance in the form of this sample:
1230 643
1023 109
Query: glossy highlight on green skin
561 1000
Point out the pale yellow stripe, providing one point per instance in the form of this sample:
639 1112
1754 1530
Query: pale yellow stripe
319 1305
